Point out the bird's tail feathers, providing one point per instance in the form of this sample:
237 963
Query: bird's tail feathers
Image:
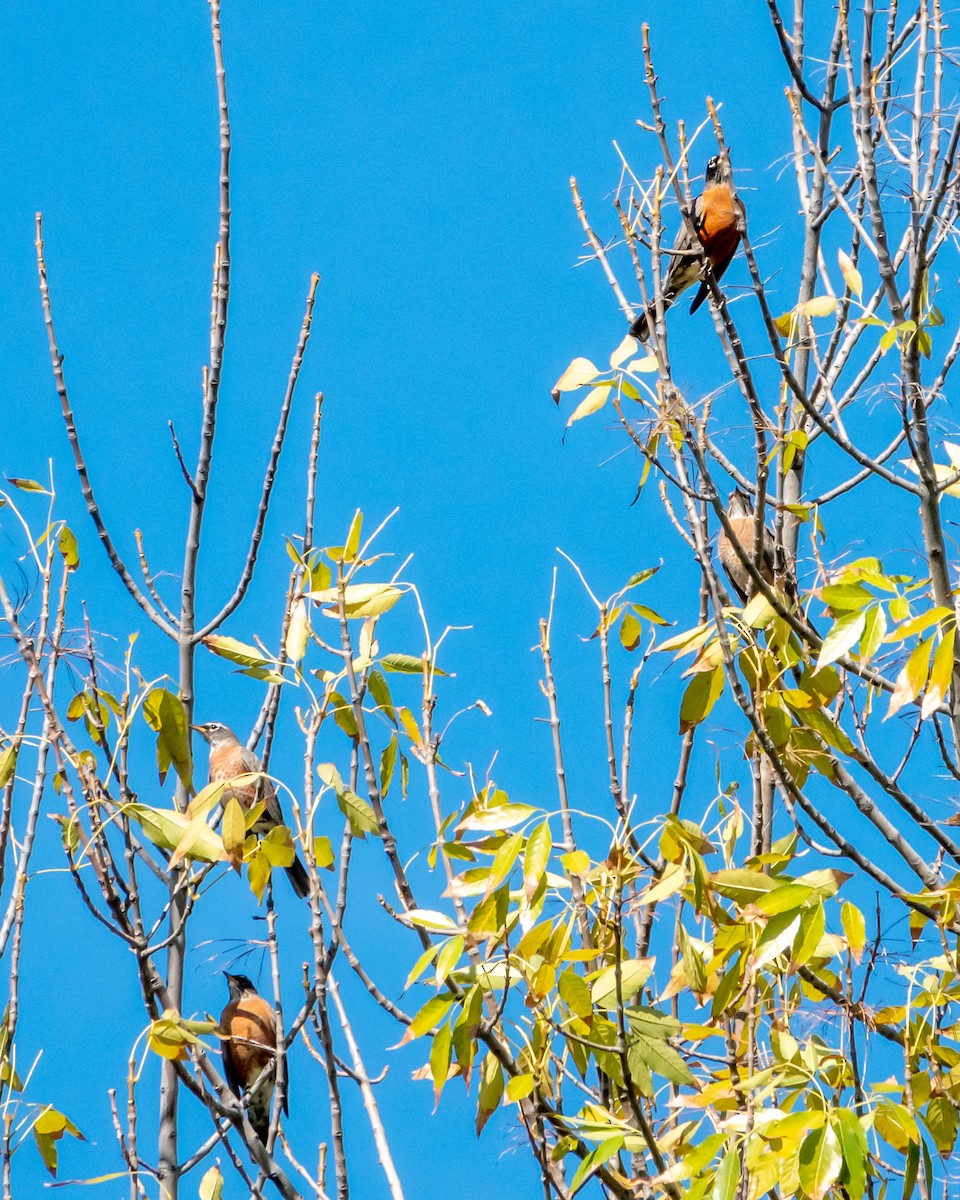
299 879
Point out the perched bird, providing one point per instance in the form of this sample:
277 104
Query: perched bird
230 758
250 1046
742 520
715 218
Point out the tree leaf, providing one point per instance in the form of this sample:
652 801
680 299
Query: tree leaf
702 693
536 857
323 854
298 632
165 714
27 485
843 636
490 1091
352 544
851 276
853 1143
238 652
594 400
211 1185
165 827
579 373
359 599
820 1161
69 547
634 973
941 674
854 929
818 306
911 678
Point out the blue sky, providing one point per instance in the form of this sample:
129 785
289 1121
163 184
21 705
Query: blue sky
417 157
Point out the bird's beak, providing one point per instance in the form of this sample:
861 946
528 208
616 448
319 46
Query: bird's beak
198 728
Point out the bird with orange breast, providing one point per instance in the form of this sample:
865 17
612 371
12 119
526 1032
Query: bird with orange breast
714 238
743 523
249 1046
229 759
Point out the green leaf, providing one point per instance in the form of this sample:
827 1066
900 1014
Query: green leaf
166 828
812 926
27 485
359 812
360 599
853 1144
8 762
843 635
489 1092
440 1059
662 1059
504 860
166 716
430 1015
875 630
238 652
727 1183
820 1161
634 973
352 545
406 664
536 857
702 693
388 761
519 1087
380 691
594 1160
942 1121
343 714
575 993
846 597
742 885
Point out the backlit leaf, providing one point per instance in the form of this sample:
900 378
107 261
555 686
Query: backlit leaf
851 276
580 372
594 400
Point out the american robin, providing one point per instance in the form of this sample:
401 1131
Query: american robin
230 758
740 513
250 1046
716 221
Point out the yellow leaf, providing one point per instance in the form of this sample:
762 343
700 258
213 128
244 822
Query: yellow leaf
819 306
784 323
579 373
940 674
594 400
851 276
911 679
298 633
627 347
644 366
211 1185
